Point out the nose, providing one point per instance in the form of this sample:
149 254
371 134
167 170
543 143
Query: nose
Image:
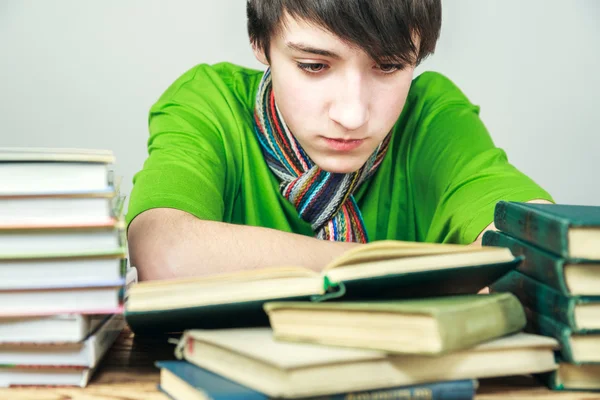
350 107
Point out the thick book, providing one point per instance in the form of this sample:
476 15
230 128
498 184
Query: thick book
424 326
579 313
377 270
568 276
573 377
182 380
31 242
59 210
34 171
252 357
575 347
61 328
570 231
17 376
86 353
64 271
97 298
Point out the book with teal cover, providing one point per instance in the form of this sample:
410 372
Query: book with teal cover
539 264
216 387
572 377
548 225
542 298
544 325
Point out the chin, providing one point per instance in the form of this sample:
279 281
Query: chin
337 166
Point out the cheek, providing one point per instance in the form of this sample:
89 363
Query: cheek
388 104
300 103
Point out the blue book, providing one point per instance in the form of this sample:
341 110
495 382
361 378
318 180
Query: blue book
180 379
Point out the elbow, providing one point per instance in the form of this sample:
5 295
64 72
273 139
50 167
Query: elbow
147 249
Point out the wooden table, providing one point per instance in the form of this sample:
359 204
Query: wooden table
128 373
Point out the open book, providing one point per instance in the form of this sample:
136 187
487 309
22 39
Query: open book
379 270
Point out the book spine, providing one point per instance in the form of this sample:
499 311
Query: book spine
501 316
543 325
538 297
534 226
451 390
538 264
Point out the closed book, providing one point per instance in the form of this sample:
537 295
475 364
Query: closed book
62 271
29 242
423 326
579 313
379 270
62 328
575 347
568 276
95 298
17 375
59 210
570 231
182 380
34 171
573 377
86 353
253 358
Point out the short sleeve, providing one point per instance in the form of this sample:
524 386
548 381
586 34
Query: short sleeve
187 158
459 174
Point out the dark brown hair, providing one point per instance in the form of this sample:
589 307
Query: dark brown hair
384 29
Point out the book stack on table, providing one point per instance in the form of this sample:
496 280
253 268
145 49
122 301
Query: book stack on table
558 282
391 320
62 264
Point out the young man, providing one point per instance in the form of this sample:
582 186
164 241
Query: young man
334 145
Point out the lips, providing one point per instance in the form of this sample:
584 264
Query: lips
344 144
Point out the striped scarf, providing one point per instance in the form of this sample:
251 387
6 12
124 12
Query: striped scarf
322 198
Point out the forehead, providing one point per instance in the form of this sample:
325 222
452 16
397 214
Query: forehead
300 31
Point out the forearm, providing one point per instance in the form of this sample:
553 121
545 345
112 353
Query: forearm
167 243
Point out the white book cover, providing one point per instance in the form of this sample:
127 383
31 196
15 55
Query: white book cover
87 353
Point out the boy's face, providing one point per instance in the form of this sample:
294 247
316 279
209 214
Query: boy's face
335 99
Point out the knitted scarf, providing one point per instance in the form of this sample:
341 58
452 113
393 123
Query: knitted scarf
321 198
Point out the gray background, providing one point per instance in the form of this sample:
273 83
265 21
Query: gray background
84 73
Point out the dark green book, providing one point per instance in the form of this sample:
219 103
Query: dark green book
576 347
379 270
570 231
568 276
572 377
580 313
428 326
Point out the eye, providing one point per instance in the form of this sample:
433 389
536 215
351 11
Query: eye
390 68
312 68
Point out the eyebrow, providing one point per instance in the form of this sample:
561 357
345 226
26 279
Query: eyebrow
312 50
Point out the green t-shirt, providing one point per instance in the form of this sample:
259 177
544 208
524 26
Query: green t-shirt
439 181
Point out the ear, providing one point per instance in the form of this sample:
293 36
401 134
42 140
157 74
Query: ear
260 55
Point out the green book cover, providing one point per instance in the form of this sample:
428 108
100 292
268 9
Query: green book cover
458 321
542 298
539 264
545 225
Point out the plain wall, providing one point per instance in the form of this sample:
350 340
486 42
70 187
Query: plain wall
84 74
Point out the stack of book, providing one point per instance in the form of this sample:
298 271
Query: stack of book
558 282
388 320
62 264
